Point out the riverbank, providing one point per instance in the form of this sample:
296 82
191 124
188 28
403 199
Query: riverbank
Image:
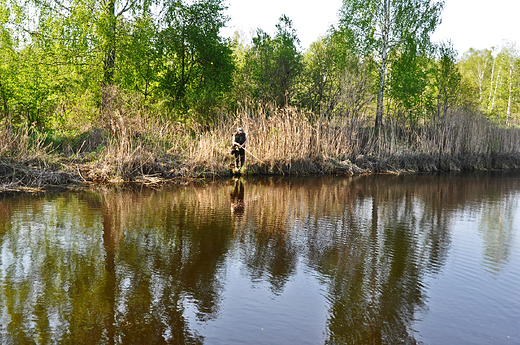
143 149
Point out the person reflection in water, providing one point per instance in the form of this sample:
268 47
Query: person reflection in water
237 199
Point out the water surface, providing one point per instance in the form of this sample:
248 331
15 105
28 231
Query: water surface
382 259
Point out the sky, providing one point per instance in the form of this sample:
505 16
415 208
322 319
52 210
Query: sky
478 24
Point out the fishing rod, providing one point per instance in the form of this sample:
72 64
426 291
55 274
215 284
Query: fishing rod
261 161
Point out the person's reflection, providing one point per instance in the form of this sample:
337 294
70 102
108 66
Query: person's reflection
237 199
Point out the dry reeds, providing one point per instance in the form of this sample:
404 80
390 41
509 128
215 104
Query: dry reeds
27 162
289 141
292 142
132 142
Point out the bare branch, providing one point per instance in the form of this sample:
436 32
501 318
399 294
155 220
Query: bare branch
129 5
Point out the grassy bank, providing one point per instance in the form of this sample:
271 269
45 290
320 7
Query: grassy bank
131 145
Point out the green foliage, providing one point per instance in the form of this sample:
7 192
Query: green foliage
447 79
7 67
335 81
274 64
62 61
493 77
504 85
409 83
49 57
477 67
384 26
198 64
72 48
143 61
321 78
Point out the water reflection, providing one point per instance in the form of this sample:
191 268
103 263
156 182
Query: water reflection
496 228
135 266
237 199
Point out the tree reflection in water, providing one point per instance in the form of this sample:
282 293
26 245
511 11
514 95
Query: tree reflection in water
125 266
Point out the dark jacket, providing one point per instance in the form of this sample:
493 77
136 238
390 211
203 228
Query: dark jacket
240 138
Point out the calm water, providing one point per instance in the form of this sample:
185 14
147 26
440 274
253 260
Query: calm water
362 260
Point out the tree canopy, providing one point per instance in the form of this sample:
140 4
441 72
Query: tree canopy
381 26
61 60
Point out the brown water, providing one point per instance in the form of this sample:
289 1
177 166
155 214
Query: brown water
433 259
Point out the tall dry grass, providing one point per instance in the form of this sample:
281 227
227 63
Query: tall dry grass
135 142
289 141
27 160
292 142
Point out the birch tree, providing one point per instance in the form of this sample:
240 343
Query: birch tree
511 58
381 26
506 60
477 66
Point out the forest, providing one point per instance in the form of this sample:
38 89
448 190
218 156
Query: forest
140 90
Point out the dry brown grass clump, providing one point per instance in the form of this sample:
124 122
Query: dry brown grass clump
26 162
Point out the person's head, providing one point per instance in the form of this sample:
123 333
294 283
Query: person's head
240 130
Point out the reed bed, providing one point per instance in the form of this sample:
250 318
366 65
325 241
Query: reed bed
131 143
28 162
291 142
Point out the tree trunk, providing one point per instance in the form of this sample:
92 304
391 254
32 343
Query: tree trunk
380 94
382 68
509 98
110 58
110 53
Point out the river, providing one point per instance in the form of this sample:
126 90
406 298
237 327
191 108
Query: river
379 259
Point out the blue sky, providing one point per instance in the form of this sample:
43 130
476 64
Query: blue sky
467 23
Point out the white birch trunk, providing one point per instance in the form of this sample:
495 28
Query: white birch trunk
509 98
385 33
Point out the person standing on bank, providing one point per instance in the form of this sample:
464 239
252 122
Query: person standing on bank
239 143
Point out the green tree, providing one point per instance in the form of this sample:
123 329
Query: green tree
7 71
506 83
143 60
410 76
321 83
476 66
54 53
448 80
110 21
495 79
381 26
275 64
242 81
198 62
334 81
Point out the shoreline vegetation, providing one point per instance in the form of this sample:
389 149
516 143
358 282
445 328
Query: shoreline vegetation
131 145
114 92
